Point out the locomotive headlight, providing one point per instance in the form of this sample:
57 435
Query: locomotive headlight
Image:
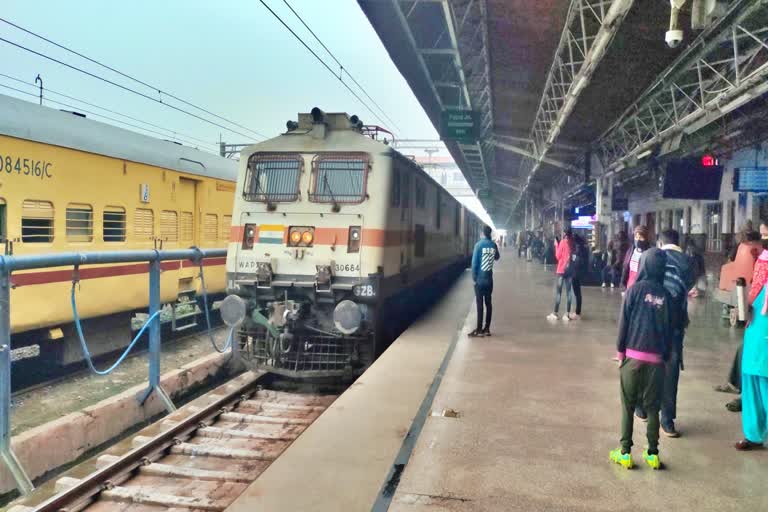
295 237
307 237
347 317
232 310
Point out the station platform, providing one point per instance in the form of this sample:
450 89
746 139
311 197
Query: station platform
538 411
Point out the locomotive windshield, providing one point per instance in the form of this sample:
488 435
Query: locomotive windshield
340 178
273 178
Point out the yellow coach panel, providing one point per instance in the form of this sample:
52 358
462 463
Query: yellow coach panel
58 199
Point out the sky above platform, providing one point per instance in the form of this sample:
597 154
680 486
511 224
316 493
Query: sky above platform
232 57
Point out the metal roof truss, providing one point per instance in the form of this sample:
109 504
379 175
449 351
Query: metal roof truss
455 60
726 68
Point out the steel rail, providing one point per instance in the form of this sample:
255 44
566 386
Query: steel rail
79 495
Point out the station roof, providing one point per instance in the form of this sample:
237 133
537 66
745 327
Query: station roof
518 64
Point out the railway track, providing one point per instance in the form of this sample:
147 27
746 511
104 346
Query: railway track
200 463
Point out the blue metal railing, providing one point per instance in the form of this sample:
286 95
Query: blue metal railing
10 264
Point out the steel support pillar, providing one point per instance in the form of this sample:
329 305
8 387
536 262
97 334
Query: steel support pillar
155 340
23 483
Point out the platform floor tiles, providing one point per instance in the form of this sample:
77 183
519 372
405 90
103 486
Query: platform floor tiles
538 408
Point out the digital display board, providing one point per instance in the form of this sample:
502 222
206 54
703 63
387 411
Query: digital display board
750 179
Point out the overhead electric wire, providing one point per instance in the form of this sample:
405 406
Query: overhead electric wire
160 91
343 69
310 50
174 132
103 116
126 88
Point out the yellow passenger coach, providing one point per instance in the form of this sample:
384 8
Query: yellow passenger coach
67 184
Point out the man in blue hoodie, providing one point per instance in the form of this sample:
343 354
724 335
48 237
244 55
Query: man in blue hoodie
485 254
644 344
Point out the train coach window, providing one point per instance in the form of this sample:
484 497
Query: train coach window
169 226
339 178
273 178
37 222
457 220
210 227
114 224
186 226
143 224
79 222
396 186
421 194
3 230
226 227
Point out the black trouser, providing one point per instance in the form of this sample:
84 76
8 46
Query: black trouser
669 390
562 281
735 376
576 287
483 294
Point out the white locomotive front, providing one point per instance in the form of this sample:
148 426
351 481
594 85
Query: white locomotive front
326 241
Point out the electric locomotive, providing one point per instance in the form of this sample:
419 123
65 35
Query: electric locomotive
337 242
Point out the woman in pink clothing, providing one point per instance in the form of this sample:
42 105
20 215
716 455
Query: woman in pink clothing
563 255
632 259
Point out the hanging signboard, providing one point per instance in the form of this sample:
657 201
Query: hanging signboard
458 125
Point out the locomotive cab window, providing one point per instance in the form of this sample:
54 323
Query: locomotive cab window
114 224
339 178
37 222
273 178
79 219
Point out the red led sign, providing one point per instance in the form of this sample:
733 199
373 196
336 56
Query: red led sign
708 161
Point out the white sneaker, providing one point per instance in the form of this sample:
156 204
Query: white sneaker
604 285
574 316
566 318
612 285
552 317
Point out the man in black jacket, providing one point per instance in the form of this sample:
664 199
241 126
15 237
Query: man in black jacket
644 343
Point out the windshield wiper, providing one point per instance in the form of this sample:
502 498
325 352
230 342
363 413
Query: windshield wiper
327 186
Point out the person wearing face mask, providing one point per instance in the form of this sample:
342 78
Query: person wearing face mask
632 258
754 359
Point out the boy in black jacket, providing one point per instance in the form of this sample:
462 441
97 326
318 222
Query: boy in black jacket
644 341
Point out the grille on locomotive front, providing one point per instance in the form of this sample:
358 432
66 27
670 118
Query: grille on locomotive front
313 354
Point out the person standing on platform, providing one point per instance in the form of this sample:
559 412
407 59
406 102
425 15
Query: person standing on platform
754 361
580 266
485 254
563 256
632 258
678 279
644 343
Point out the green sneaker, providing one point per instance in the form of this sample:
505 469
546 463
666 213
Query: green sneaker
623 459
651 460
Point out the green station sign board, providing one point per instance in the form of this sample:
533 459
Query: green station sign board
459 125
